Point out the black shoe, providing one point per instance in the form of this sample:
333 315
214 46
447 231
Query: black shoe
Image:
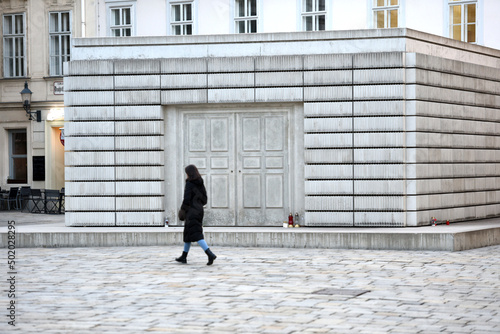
182 258
211 257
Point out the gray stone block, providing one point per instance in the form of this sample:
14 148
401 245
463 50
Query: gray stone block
327 124
183 65
230 64
138 112
76 158
327 62
326 172
188 81
89 218
328 187
326 93
231 95
327 140
139 219
140 188
137 97
184 96
328 109
100 173
140 158
379 187
89 143
279 79
137 81
89 113
379 76
140 143
89 98
327 156
279 63
143 173
382 108
90 188
233 80
373 60
90 203
329 218
140 128
88 83
282 94
90 67
327 78
328 203
137 66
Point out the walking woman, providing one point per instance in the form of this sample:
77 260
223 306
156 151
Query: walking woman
195 197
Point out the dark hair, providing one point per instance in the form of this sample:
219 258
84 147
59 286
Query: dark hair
192 173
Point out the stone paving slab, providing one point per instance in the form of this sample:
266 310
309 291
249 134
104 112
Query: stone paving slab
40 230
253 290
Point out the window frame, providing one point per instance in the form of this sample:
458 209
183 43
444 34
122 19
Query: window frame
120 5
19 67
386 9
463 24
315 14
183 24
13 156
246 19
61 57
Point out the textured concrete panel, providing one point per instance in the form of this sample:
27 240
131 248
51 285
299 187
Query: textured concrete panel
138 112
379 123
280 79
175 81
280 63
89 143
89 188
179 65
88 83
379 139
140 157
140 128
137 81
328 61
94 98
283 94
327 140
329 187
137 66
89 128
329 218
88 113
90 218
326 93
90 67
321 172
382 203
184 96
327 124
376 219
140 188
373 60
379 155
230 64
89 158
89 203
379 187
327 78
328 109
139 219
139 203
381 171
89 173
218 80
137 97
380 76
382 108
329 203
139 173
327 156
379 92
140 143
231 95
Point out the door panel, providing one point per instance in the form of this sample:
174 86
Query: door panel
243 158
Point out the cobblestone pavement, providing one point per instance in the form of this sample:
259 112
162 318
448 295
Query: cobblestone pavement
254 290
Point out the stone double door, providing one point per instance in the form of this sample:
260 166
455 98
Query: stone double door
243 158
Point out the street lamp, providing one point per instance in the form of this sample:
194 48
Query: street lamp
26 97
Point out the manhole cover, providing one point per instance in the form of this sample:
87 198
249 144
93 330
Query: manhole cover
340 292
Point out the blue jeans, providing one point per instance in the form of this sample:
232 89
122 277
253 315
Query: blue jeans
202 243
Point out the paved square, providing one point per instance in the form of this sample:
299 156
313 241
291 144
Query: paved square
254 290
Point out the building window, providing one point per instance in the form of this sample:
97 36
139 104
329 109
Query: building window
245 16
14 53
60 41
121 21
313 15
18 159
181 18
463 20
385 13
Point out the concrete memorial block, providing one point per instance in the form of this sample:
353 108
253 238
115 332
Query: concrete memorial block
90 218
328 203
329 218
327 62
140 188
93 83
323 109
145 173
139 219
379 187
183 65
188 81
233 80
278 63
278 79
378 76
379 123
139 143
327 78
89 143
94 204
230 64
143 97
137 66
378 108
148 203
135 81
379 139
328 156
184 96
379 171
329 187
377 219
89 113
138 113
89 98
90 67
327 93
327 140
382 59
139 128
89 129
379 155
140 158
379 92
97 173
78 158
328 172
282 94
327 124
231 95
89 188
381 203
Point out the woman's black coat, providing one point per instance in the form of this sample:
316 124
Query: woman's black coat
195 197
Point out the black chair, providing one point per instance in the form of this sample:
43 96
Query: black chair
37 200
51 202
12 198
23 197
